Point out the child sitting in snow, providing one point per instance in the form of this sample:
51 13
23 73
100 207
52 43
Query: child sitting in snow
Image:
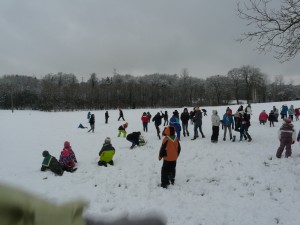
122 129
51 163
287 137
107 153
67 158
81 126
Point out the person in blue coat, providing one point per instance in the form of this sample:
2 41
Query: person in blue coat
284 111
174 122
228 124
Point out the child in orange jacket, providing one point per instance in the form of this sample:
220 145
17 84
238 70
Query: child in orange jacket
169 151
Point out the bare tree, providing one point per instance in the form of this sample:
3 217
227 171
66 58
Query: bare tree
253 79
235 77
276 29
215 87
186 87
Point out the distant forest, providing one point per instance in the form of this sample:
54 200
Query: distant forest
63 92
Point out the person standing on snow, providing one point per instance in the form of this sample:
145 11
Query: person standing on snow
166 118
272 118
197 120
263 117
174 121
149 117
157 122
92 123
297 113
121 115
248 111
287 137
245 124
215 119
169 152
106 117
145 121
228 124
284 111
185 117
276 113
291 112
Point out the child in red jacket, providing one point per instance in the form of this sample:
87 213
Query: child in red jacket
145 120
67 158
263 117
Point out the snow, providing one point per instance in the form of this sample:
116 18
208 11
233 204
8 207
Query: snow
226 183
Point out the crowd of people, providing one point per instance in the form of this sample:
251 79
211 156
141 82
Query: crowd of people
170 147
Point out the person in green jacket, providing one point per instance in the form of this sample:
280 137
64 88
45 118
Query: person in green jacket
51 163
107 153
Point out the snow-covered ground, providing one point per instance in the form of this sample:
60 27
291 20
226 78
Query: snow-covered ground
228 183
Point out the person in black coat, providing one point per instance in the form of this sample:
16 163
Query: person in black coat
121 115
166 118
157 122
185 117
106 116
134 138
272 118
92 123
51 163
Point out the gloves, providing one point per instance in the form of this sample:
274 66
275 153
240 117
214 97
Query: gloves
159 158
293 142
298 139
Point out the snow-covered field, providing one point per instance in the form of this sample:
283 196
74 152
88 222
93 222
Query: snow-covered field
227 183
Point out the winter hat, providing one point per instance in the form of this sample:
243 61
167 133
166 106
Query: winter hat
107 140
67 144
287 120
45 153
175 113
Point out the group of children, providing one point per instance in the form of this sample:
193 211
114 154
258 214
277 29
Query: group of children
170 147
169 151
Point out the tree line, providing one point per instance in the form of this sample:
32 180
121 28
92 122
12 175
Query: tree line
63 91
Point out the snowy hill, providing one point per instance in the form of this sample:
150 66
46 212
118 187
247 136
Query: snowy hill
240 183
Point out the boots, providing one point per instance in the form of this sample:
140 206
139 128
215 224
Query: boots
233 139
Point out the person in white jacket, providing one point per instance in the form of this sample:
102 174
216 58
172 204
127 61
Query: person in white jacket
215 119
248 110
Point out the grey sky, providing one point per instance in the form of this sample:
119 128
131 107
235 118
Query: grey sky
134 36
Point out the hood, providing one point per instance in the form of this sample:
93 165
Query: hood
67 144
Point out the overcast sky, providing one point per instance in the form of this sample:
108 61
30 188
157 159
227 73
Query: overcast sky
133 36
